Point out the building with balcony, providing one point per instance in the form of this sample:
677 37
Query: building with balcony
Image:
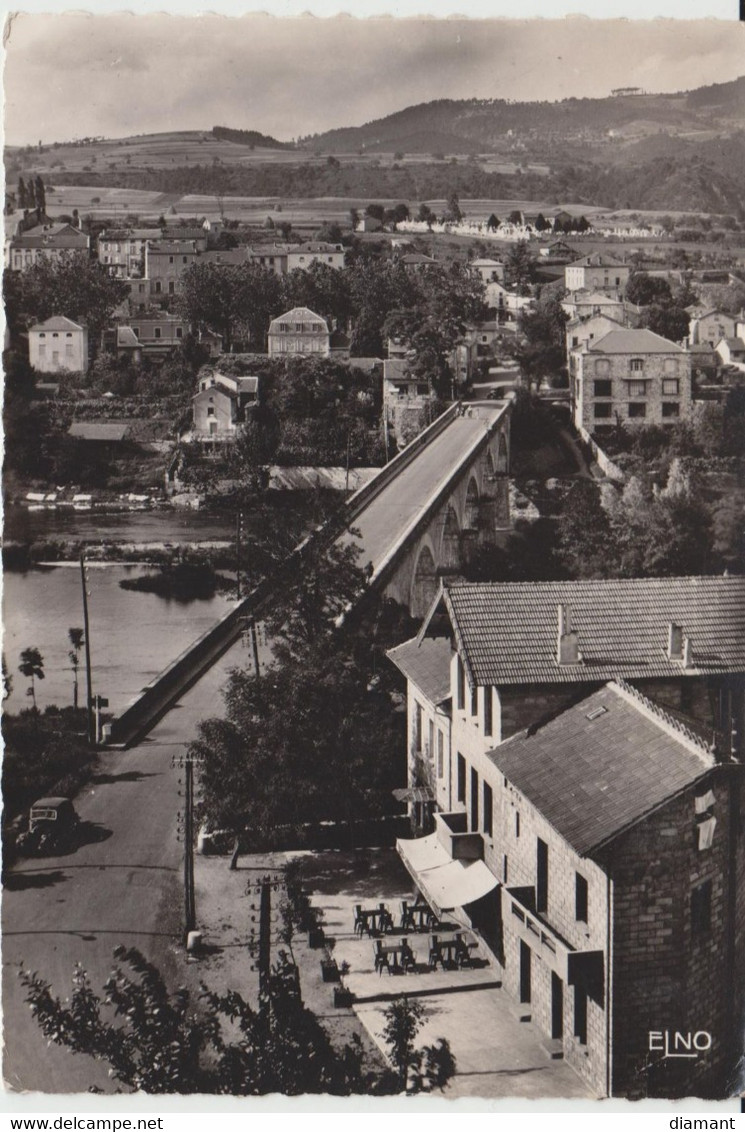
299 331
122 250
634 376
576 784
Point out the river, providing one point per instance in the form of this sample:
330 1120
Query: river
23 525
133 635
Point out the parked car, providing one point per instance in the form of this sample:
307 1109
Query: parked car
52 825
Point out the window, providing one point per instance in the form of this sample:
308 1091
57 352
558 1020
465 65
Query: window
440 754
461 689
603 388
670 409
431 737
488 718
701 908
417 727
210 411
488 810
158 286
42 349
141 288
517 823
68 349
179 332
170 259
636 365
171 288
602 409
670 387
541 881
474 799
637 409
474 701
670 365
505 868
602 365
580 1014
136 331
580 898
184 259
637 388
69 334
422 389
461 778
157 331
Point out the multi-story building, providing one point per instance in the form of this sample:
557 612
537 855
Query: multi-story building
580 332
220 405
597 272
574 767
708 327
585 304
122 250
408 400
282 258
47 241
487 270
165 263
634 376
731 351
148 336
299 331
58 344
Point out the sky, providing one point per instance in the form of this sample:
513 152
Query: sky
77 74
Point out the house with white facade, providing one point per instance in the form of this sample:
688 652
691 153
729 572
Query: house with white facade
299 331
58 344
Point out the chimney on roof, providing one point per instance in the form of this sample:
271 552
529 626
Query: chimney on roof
567 642
674 642
687 652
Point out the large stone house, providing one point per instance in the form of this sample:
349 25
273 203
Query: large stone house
299 331
597 272
581 332
635 376
46 241
122 250
282 258
165 264
58 344
574 773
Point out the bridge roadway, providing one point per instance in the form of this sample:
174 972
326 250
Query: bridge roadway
388 520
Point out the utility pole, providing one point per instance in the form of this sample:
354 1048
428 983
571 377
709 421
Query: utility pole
346 481
186 762
92 737
238 521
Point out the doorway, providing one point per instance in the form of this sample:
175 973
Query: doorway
524 972
557 1006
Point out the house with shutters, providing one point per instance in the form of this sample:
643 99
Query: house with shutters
576 787
597 272
58 344
299 331
635 376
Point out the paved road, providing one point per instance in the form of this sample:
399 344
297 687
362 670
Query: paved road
123 886
387 516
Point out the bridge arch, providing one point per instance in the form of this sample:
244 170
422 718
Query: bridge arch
425 583
471 508
450 543
503 457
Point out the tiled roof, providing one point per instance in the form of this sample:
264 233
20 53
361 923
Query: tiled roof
54 235
426 664
591 778
173 247
634 342
304 314
597 260
507 631
57 322
596 298
735 344
98 430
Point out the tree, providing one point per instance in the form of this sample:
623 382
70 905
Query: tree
668 320
643 289
541 224
7 680
518 267
375 212
322 288
453 212
41 196
75 286
426 215
22 198
543 351
492 223
32 667
587 543
76 638
156 1041
354 218
515 217
230 299
430 1067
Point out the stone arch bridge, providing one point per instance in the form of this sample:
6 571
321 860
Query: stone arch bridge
423 515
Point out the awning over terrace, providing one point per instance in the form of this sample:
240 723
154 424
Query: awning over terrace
446 884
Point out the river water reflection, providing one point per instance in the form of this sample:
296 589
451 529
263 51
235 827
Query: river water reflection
133 635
